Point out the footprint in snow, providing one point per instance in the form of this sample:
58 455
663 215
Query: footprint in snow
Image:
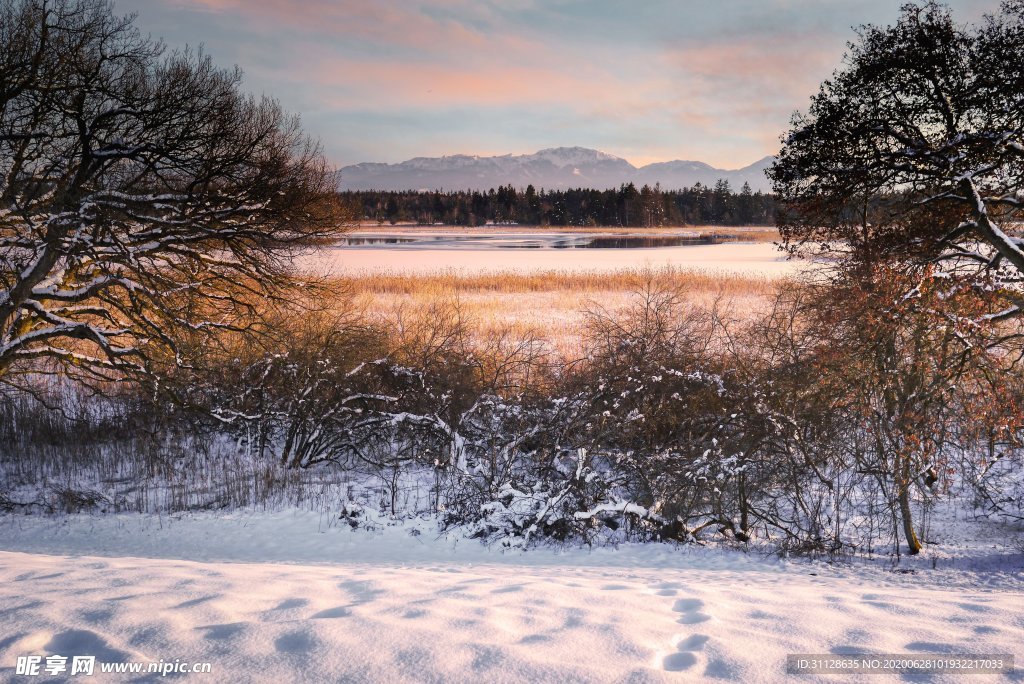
688 648
690 609
694 642
685 656
685 605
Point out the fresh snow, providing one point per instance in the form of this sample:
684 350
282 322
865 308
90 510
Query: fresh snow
296 596
747 258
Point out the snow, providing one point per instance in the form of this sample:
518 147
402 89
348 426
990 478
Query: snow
748 258
570 156
293 595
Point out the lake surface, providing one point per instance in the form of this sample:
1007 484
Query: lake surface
531 241
470 252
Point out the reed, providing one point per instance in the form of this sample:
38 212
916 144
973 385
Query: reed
549 305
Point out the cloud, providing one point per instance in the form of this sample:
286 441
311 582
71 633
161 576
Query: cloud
408 26
649 81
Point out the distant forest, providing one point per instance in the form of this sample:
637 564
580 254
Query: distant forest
627 206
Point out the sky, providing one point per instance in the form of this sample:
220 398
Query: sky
653 80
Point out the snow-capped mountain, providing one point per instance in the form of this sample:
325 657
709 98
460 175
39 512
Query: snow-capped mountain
553 168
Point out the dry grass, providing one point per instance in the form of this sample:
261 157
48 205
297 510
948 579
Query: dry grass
549 305
516 282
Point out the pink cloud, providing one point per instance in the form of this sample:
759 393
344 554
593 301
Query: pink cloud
407 24
718 97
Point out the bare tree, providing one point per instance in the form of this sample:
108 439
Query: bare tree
143 194
915 146
919 377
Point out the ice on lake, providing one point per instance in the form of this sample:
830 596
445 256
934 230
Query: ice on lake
531 252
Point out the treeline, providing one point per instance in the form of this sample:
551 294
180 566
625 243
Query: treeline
628 206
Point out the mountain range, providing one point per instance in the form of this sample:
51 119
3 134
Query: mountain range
555 168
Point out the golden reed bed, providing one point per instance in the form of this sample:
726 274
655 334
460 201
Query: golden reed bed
551 305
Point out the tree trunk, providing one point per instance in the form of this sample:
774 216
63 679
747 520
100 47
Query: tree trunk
744 511
913 543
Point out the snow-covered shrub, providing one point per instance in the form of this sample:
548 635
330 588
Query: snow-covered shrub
526 473
666 412
314 396
788 430
996 483
571 496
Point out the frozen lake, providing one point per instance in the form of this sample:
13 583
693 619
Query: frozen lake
537 251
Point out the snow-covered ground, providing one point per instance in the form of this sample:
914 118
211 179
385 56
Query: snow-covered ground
296 596
748 258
